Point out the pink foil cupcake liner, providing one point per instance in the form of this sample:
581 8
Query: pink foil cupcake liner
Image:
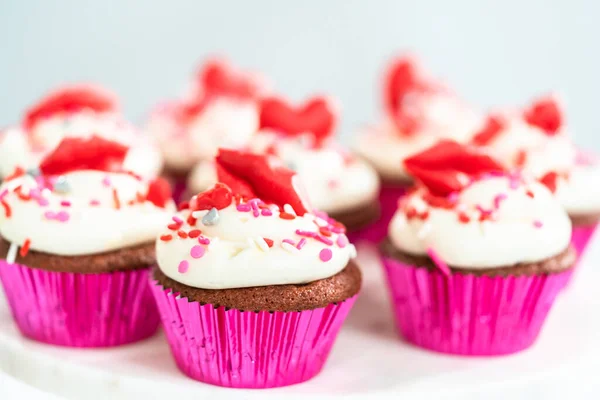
580 238
375 233
80 310
467 314
245 349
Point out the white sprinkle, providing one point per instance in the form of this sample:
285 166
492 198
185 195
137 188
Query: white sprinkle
261 243
321 223
289 209
289 248
199 214
11 256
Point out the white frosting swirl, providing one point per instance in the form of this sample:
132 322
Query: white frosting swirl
27 149
441 116
577 186
225 122
237 256
333 182
524 227
86 219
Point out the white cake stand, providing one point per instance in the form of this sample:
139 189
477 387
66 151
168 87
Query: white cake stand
369 359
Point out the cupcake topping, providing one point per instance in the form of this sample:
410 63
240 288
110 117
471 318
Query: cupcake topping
83 204
472 213
259 231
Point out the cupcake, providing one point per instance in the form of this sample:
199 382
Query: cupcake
336 182
252 287
475 256
77 243
536 140
75 111
418 111
221 110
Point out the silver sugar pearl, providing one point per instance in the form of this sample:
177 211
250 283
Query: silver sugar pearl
34 172
211 218
62 185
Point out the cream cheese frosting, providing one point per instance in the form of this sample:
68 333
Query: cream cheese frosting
334 181
497 221
79 213
251 244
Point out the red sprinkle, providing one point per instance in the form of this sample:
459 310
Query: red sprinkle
464 218
182 234
549 180
284 215
184 205
25 248
166 238
21 195
191 220
325 232
116 199
410 212
174 226
521 158
424 215
194 233
269 242
140 197
530 194
7 209
437 201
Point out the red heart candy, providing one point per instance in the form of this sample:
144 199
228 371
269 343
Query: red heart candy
273 184
159 192
448 166
550 180
71 99
219 78
316 117
219 197
95 153
546 114
237 185
492 128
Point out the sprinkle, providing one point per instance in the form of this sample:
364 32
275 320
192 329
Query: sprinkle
265 212
289 209
194 233
183 266
116 199
498 199
325 255
25 248
173 227
284 215
301 244
325 232
197 214
7 209
65 203
62 216
324 240
513 184
191 220
538 224
21 195
140 197
342 241
211 218
11 256
94 203
49 215
61 185
262 244
463 217
255 209
182 234
166 238
289 241
530 194
4 193
442 266
244 207
269 242
184 205
204 241
288 247
177 220
34 172
106 181
197 251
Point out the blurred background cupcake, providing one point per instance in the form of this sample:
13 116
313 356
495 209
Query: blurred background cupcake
221 109
536 140
77 110
417 112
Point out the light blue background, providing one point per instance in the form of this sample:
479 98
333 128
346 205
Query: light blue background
493 52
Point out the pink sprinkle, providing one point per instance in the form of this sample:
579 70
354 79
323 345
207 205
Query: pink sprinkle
483 210
65 203
498 199
301 244
513 184
288 241
538 224
183 267
335 229
49 215
255 209
266 212
244 207
453 197
106 181
177 220
62 216
94 203
442 266
306 233
204 241
342 241
324 240
197 251
42 202
4 193
325 255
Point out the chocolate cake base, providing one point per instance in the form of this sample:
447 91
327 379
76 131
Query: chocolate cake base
584 219
552 265
126 259
318 294
358 217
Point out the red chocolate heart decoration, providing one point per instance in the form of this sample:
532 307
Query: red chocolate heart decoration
95 153
490 131
270 183
218 78
159 192
448 166
316 117
71 99
219 197
546 114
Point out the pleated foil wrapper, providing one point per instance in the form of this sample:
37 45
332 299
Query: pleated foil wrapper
467 314
80 310
580 239
246 349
